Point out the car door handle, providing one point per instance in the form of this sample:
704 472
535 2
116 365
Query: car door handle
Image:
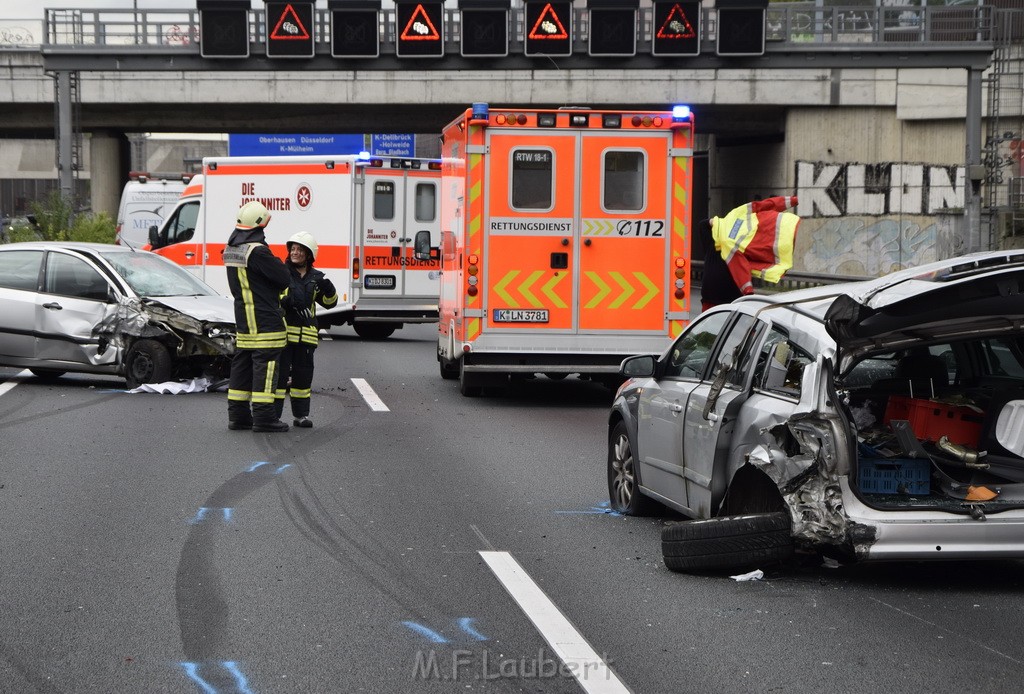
190 255
53 305
675 407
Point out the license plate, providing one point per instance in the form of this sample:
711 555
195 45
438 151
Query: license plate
379 282
520 315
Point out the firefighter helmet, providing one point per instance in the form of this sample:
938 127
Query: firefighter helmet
304 238
252 214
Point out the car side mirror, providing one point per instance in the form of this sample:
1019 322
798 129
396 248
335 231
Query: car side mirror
154 236
421 246
725 367
639 366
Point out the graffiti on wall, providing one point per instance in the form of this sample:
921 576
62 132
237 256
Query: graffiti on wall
864 220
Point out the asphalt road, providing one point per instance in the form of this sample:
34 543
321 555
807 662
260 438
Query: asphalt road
441 544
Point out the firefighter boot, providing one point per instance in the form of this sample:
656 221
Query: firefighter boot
265 419
239 416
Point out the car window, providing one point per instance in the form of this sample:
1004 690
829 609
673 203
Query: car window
691 352
20 269
1004 357
741 362
780 364
70 276
182 226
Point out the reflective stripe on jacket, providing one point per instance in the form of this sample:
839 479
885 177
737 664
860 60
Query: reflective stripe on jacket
757 239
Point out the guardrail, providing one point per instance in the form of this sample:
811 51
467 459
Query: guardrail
791 280
797 23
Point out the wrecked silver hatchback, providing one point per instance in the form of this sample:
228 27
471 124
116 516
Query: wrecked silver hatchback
874 420
105 309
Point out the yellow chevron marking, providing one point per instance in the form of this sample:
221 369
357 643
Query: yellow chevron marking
499 289
652 290
524 289
548 290
603 289
598 227
627 290
473 329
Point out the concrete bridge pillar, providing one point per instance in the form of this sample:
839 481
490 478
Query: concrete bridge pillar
108 170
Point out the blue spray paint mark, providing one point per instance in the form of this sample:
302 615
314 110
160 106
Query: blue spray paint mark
281 469
602 509
466 624
243 684
425 631
255 466
202 513
192 670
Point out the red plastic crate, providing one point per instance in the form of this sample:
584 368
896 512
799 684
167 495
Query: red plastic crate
931 420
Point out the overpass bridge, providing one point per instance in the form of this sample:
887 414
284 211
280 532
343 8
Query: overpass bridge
115 72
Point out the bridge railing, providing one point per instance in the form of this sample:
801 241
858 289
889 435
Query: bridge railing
795 23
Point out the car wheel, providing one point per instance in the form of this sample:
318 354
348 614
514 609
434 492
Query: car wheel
147 361
555 375
48 375
623 485
449 370
727 543
469 384
374 331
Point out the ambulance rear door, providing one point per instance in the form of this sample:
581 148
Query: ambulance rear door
577 229
399 203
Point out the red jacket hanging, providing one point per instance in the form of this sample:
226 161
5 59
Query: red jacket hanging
756 240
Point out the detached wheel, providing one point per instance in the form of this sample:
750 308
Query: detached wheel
147 361
48 375
727 543
374 331
623 485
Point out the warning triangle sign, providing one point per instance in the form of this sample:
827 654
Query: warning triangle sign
420 28
676 25
289 27
548 25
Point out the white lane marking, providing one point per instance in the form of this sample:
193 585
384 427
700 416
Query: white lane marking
375 403
581 660
8 385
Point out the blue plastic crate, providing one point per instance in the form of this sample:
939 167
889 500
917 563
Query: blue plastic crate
911 476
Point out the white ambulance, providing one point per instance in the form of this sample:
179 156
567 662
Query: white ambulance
366 213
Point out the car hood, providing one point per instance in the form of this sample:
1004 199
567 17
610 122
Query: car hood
208 309
909 308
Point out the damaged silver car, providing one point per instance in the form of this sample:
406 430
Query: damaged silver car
106 309
875 420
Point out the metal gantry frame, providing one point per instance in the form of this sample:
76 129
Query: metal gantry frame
796 38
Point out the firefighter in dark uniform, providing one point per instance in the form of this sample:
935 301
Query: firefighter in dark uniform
256 278
308 288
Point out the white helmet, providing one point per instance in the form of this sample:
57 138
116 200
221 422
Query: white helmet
252 214
304 238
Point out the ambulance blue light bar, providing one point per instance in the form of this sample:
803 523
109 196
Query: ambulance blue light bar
680 113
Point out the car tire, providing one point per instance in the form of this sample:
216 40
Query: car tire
556 375
48 375
623 484
374 331
147 361
469 384
449 370
727 543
